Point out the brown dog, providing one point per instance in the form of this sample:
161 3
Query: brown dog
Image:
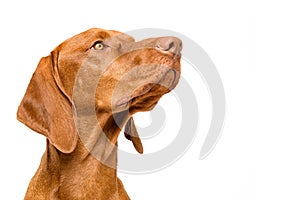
80 97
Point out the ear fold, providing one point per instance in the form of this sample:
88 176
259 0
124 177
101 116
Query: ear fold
46 109
132 134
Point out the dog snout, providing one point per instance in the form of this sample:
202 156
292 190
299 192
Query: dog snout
169 45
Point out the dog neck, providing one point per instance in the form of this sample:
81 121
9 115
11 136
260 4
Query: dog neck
92 164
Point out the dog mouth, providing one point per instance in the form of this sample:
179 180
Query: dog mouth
168 82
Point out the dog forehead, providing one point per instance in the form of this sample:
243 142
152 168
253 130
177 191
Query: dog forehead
87 38
121 36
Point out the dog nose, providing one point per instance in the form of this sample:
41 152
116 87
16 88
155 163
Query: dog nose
169 44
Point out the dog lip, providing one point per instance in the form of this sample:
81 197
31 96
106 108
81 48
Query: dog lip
147 87
138 92
123 102
171 85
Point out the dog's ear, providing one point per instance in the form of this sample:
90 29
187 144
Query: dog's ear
132 134
47 109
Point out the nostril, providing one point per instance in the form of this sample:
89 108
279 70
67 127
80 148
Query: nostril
169 45
165 45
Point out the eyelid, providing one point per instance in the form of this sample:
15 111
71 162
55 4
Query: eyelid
99 41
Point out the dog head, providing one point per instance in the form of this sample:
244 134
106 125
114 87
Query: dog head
98 71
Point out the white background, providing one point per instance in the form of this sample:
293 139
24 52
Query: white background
255 46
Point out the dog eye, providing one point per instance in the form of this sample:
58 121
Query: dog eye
98 45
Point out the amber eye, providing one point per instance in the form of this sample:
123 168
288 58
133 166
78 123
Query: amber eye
98 45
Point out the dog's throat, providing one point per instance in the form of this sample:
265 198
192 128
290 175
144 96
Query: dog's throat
99 135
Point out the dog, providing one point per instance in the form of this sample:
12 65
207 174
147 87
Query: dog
81 96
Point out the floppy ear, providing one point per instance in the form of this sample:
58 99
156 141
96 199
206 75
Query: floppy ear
132 134
46 108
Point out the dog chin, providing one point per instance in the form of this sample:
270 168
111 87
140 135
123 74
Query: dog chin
146 97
